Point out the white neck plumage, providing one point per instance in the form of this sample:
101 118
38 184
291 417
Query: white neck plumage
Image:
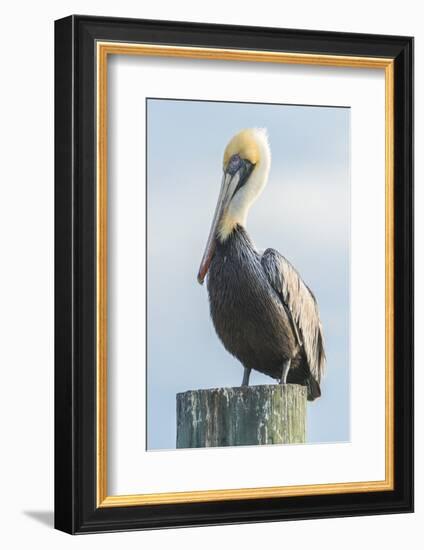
239 206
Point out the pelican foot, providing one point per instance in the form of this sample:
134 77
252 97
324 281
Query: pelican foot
284 372
246 376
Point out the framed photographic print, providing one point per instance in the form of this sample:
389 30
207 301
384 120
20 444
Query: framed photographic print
276 167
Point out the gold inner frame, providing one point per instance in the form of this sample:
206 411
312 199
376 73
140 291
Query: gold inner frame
104 49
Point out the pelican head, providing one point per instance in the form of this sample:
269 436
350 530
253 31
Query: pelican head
246 164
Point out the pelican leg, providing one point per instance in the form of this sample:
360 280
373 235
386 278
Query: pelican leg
285 371
246 376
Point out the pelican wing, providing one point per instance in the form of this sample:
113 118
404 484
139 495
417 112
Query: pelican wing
301 306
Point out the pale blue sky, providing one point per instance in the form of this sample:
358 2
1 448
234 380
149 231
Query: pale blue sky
304 212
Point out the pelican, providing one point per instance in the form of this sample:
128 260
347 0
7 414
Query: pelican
263 312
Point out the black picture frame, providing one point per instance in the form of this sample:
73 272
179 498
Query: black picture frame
76 508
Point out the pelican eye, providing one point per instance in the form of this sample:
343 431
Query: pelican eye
234 165
242 167
238 164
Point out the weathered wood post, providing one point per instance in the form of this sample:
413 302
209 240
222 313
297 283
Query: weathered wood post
253 415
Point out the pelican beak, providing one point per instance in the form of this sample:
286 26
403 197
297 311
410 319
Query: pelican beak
228 188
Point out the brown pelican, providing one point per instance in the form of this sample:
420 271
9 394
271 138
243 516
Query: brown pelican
263 312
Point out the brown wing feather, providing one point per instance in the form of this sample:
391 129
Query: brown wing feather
301 303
